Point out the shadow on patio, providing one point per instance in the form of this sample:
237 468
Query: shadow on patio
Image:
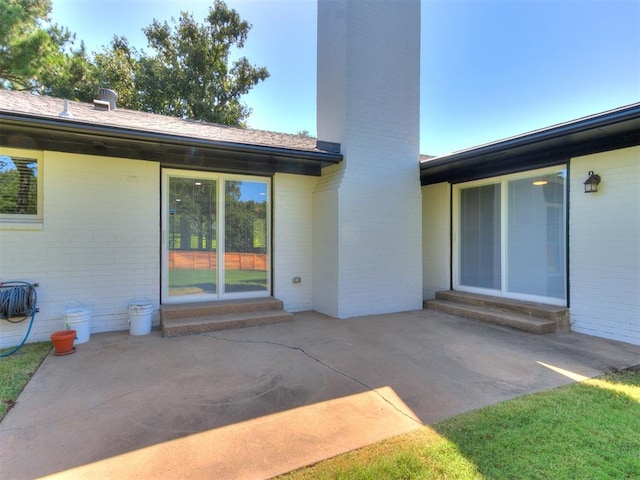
255 402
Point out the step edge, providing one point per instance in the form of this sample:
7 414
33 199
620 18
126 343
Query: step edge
233 316
533 309
520 322
219 308
190 328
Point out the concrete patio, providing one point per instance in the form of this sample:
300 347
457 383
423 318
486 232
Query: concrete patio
256 402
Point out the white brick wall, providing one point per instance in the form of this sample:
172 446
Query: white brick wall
367 211
293 240
605 246
98 246
332 66
326 257
436 239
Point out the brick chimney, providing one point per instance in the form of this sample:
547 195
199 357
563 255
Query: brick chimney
367 210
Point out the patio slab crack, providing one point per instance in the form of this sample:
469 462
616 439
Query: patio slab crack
324 364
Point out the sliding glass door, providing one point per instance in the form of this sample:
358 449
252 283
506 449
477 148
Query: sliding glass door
245 236
536 236
510 236
480 238
216 239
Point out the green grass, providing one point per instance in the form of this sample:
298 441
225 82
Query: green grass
16 370
585 430
186 281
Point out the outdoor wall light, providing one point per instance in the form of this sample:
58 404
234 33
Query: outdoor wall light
591 183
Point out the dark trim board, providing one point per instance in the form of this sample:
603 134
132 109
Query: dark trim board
611 130
169 150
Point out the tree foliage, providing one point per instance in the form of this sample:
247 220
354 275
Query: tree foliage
192 64
188 71
27 48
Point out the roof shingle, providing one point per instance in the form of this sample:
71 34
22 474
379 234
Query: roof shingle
85 113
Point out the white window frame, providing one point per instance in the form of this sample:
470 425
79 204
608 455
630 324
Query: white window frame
17 221
220 178
502 181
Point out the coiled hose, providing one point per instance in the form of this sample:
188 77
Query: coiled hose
18 302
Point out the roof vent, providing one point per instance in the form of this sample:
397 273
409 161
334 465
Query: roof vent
65 113
102 105
107 99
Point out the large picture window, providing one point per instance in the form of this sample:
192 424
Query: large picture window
20 185
510 236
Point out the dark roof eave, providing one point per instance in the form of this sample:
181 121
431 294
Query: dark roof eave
291 157
615 129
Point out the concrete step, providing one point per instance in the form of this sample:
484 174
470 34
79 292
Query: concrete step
193 318
192 325
559 315
201 309
496 316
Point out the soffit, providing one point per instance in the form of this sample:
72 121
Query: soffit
615 129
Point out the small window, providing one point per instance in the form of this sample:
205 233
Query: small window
20 186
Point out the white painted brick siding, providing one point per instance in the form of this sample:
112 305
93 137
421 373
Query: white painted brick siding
332 66
436 239
604 251
326 257
367 211
99 245
293 240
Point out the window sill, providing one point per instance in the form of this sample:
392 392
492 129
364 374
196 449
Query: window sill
24 226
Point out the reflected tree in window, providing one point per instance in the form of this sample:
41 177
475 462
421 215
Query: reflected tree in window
193 203
245 219
18 185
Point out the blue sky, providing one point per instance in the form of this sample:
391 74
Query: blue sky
491 69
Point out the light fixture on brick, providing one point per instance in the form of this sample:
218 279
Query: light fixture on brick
591 183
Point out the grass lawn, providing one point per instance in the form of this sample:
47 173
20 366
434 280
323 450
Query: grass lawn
17 369
588 430
190 281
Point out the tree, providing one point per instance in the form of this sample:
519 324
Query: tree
27 49
74 77
191 74
118 67
188 73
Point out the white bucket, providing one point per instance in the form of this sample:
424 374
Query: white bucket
140 314
78 319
